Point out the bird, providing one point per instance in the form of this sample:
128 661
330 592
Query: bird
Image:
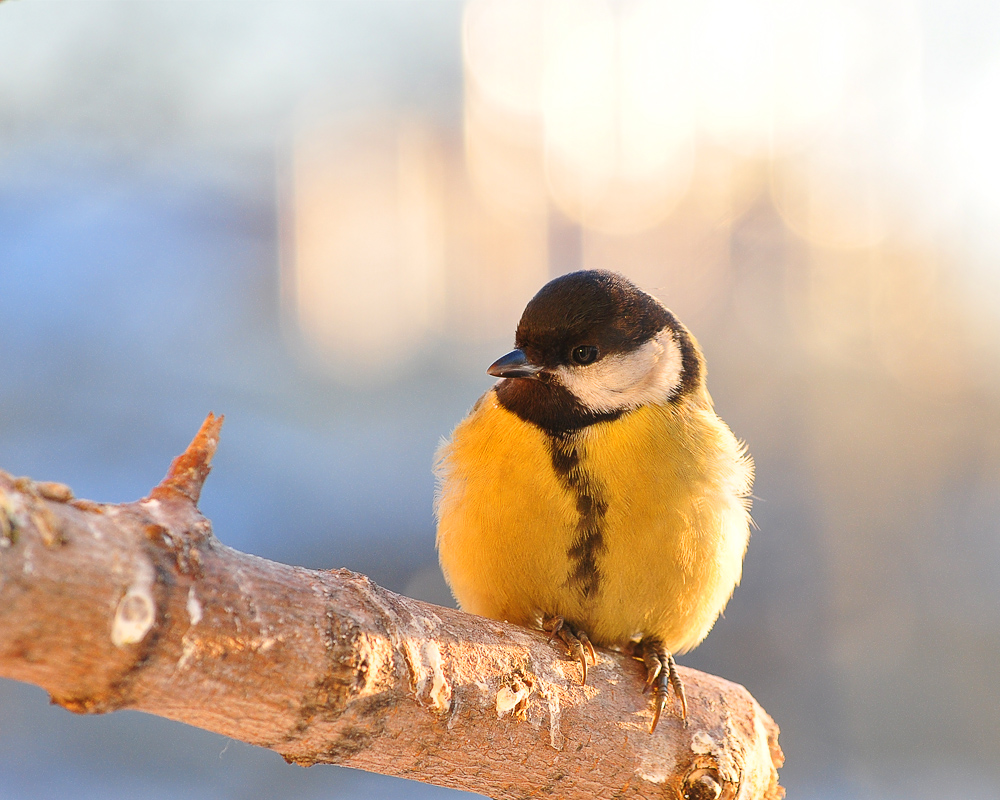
593 492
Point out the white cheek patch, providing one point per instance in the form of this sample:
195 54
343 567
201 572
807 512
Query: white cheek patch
650 374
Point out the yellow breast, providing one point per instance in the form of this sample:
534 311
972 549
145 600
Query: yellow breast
634 527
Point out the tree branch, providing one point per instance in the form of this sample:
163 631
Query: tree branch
139 606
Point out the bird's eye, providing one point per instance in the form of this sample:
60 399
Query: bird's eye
585 354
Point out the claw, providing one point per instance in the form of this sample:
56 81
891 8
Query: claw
552 626
653 667
577 643
576 648
661 674
659 702
675 681
585 640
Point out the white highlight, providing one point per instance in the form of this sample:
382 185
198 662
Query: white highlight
440 692
509 699
432 688
136 611
187 652
656 765
194 607
650 374
702 744
555 715
190 644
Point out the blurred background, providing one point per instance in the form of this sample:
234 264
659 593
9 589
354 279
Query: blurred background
323 220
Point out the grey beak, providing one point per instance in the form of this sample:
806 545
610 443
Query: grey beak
514 365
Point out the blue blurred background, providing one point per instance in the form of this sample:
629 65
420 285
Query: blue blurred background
323 220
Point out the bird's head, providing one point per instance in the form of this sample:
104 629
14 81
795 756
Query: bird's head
591 346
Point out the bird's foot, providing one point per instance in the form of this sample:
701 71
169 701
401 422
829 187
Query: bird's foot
661 674
577 642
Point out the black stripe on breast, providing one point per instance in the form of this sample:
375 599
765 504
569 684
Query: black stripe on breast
591 507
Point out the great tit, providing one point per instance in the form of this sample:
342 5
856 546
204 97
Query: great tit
593 492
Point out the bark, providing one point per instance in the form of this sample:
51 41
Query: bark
139 606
